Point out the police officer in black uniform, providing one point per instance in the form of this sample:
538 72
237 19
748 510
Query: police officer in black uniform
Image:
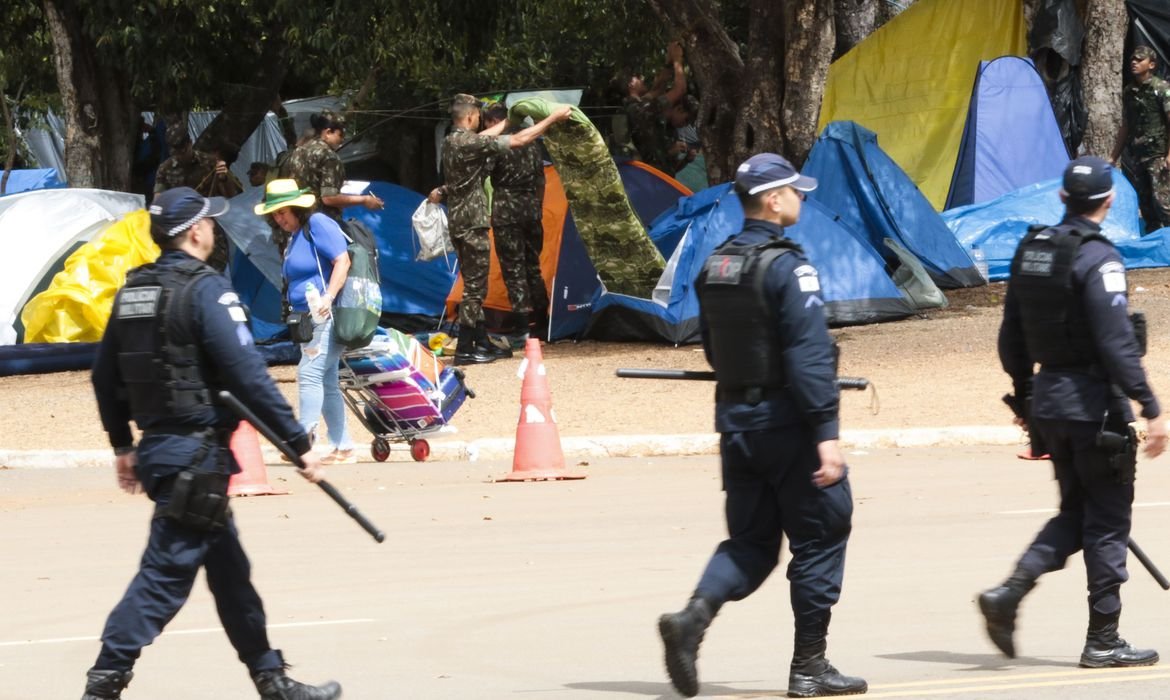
776 400
176 336
1066 309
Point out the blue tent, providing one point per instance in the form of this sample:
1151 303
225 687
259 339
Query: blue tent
1011 138
856 287
998 226
25 180
875 198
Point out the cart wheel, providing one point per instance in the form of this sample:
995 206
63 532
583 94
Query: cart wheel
420 450
380 449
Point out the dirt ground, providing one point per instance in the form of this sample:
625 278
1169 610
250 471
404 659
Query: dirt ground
936 369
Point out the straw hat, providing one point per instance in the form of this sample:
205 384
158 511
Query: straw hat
284 193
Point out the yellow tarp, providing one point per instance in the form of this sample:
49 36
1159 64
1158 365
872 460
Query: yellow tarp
76 306
910 81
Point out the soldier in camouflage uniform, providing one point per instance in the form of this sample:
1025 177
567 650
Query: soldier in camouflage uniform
647 109
203 173
1146 137
518 226
466 160
315 165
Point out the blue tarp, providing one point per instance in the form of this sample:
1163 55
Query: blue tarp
998 226
1011 139
856 288
25 180
875 198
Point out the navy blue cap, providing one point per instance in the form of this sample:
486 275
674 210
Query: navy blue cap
176 210
765 171
1087 178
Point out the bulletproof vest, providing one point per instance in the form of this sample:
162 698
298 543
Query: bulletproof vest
742 336
159 360
1056 329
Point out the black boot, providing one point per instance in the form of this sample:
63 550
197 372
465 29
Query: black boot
682 633
103 684
487 346
1105 649
999 606
518 335
812 676
538 324
276 685
467 351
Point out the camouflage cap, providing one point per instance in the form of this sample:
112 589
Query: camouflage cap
328 119
465 99
177 135
1143 52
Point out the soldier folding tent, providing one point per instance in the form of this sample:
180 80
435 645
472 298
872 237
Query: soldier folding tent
875 198
1011 139
856 288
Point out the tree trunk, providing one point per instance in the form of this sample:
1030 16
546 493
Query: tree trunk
853 20
767 99
1105 27
99 115
240 115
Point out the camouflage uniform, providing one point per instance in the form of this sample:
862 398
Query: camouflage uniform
517 213
1147 111
650 132
318 167
625 258
466 159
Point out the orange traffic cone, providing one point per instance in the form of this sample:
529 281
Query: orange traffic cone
253 477
538 454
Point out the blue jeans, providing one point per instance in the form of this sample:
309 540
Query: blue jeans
318 388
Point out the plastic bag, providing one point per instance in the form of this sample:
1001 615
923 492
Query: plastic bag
429 222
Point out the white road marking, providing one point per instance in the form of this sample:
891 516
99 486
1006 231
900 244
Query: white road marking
205 630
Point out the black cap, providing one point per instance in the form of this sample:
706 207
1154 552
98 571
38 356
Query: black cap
176 210
1087 178
765 171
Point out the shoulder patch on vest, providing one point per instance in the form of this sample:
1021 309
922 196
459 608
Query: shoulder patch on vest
807 279
139 302
229 298
725 269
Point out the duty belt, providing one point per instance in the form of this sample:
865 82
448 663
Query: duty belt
750 395
220 436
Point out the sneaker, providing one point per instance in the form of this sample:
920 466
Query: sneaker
340 457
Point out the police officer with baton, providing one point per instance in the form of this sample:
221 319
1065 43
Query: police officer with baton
764 332
176 336
1066 310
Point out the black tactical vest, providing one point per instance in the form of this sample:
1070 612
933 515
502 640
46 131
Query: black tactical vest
741 323
1056 329
159 361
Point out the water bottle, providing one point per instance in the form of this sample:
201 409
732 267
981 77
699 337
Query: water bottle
980 261
313 299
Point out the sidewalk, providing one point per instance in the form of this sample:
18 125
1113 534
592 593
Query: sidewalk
575 448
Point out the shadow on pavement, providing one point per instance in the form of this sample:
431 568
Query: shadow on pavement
975 662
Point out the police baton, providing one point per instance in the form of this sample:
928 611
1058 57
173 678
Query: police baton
858 383
1149 564
245 413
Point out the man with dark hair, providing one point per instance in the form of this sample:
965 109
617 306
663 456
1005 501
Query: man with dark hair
648 109
466 159
1145 134
177 336
315 164
1066 310
517 223
258 174
763 327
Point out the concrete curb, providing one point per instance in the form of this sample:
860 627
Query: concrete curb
577 448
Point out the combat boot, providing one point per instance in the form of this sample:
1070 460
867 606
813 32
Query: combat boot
682 633
1105 649
102 684
812 676
276 685
466 350
999 606
487 346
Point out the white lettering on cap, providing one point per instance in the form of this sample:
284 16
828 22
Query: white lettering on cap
1083 169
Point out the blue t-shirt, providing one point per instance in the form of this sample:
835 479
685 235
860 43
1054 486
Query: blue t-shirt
301 258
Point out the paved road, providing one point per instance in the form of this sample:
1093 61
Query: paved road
551 590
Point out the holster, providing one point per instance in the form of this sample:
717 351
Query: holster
1121 447
198 500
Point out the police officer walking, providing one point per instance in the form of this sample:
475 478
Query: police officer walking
764 332
1066 309
178 335
466 159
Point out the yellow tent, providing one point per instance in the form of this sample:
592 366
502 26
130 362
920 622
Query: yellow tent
76 306
910 81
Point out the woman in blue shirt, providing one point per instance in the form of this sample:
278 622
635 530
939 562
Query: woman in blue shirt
315 267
